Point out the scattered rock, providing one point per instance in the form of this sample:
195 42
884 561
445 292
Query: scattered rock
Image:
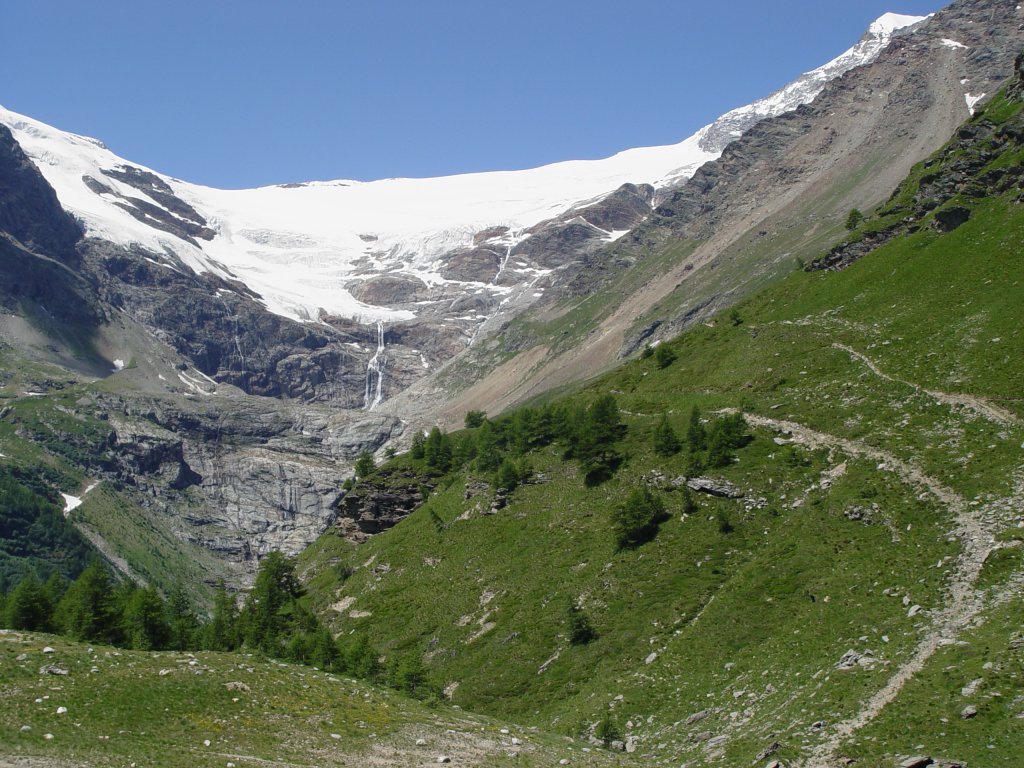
971 688
52 669
721 488
48 736
62 710
444 759
697 738
919 761
696 717
914 610
421 742
768 751
968 712
237 686
48 649
26 728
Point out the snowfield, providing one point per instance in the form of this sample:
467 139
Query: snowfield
300 246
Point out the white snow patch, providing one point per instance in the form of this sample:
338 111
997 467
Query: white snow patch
72 503
893 22
973 100
616 234
195 385
952 43
119 365
424 362
297 246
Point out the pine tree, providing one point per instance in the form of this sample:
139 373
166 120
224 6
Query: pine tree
475 419
364 464
666 443
221 632
438 450
270 603
181 619
508 476
29 606
488 451
696 436
86 611
418 445
854 219
596 438
636 520
144 623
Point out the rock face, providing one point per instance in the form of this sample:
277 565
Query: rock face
779 195
29 209
959 170
379 502
239 476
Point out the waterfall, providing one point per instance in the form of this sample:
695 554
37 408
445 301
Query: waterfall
375 368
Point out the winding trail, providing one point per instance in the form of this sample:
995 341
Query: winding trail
978 405
964 602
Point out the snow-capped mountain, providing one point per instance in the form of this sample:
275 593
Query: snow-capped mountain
307 250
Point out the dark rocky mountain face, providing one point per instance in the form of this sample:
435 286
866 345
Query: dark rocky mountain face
29 210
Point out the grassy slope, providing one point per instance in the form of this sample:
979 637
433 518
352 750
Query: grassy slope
61 436
160 709
748 625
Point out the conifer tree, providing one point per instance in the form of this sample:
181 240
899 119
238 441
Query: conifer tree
144 622
418 445
666 442
181 619
438 450
364 464
86 611
696 436
29 606
221 632
270 603
636 520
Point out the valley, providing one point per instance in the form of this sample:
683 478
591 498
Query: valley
668 459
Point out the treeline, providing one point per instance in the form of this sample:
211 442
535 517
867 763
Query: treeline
499 448
272 621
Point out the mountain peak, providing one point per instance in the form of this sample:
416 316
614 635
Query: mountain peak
888 23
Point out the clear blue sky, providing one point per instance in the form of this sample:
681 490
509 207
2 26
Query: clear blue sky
238 93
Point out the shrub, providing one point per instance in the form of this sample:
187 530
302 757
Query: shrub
581 631
664 356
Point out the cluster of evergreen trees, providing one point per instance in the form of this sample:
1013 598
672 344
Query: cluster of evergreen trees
499 448
273 621
707 446
97 608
